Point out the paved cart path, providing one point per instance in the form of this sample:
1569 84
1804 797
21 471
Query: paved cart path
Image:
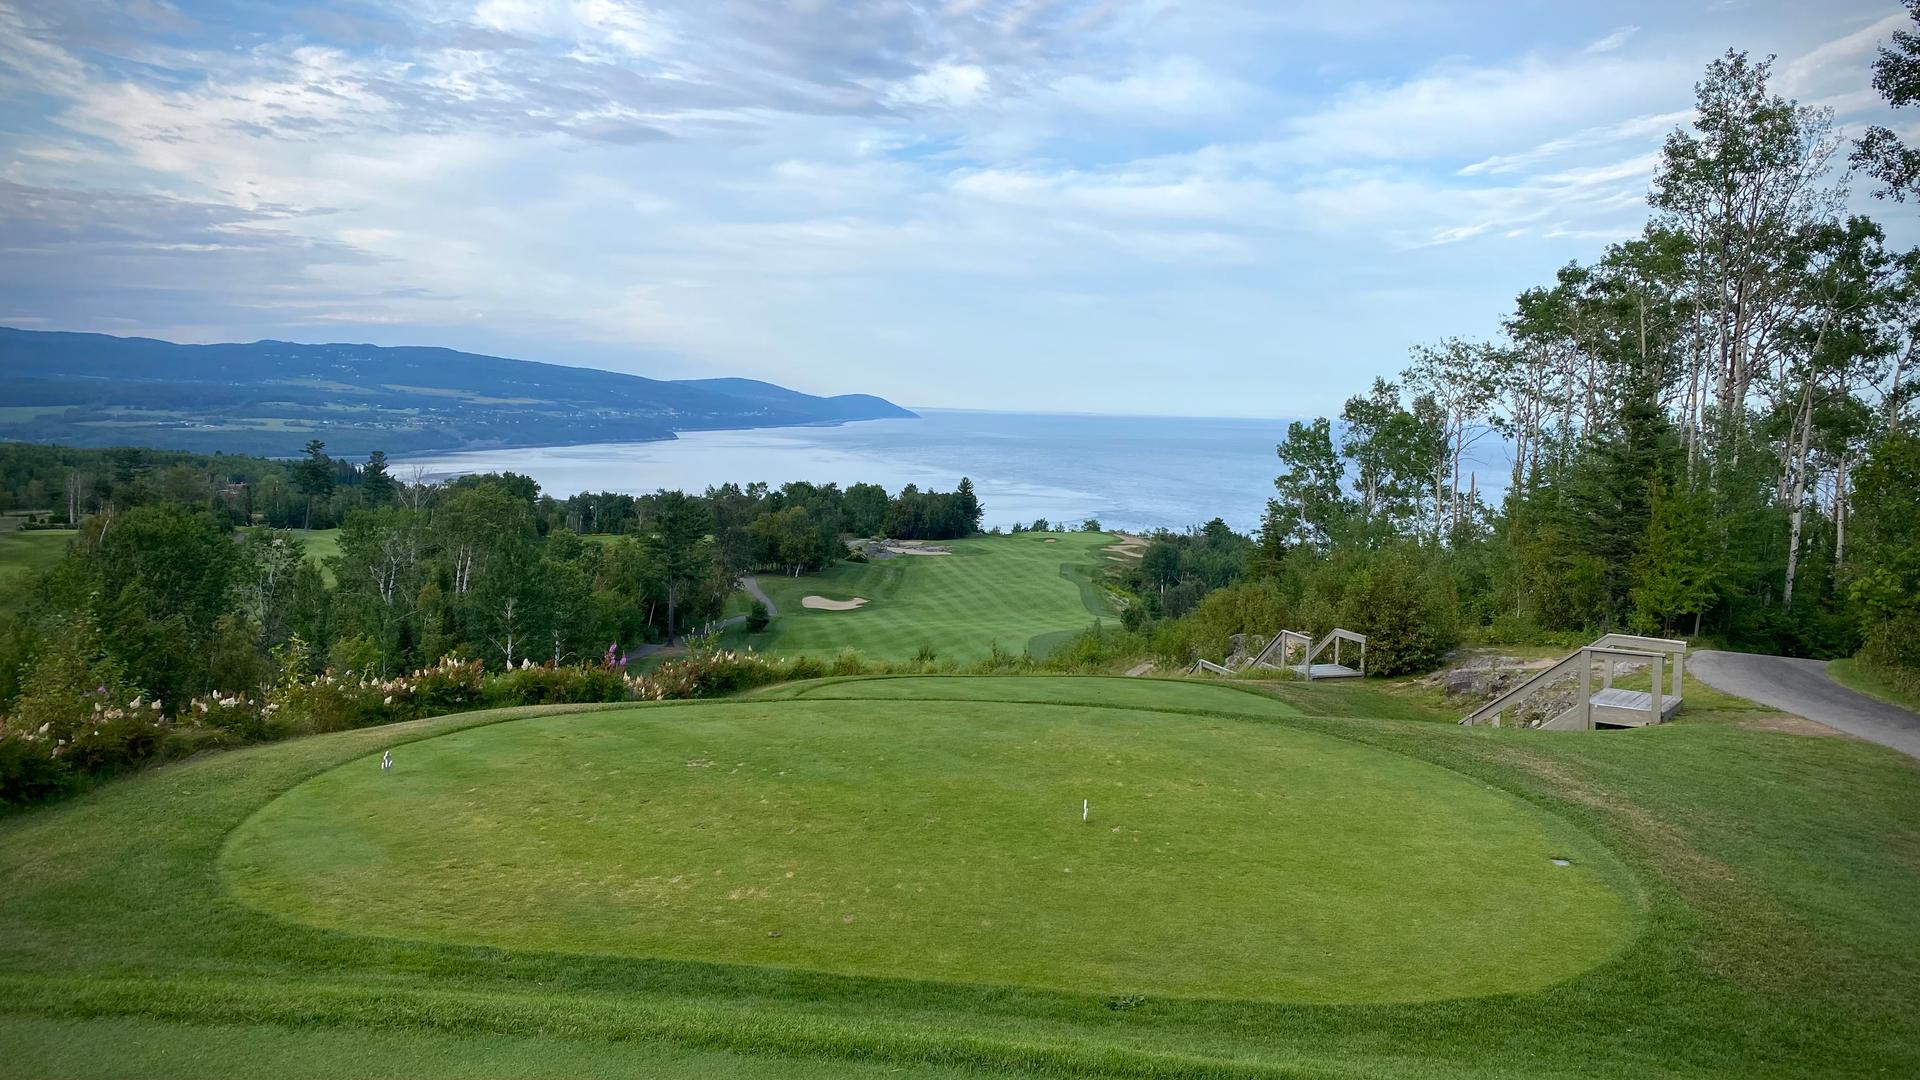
1804 688
752 585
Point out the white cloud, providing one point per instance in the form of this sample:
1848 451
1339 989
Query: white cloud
945 84
1614 39
1459 110
822 188
1638 129
1846 58
630 28
1175 89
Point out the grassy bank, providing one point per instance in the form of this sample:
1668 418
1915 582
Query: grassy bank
1848 673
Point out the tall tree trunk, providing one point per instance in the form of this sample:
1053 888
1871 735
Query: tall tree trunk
1799 506
1840 515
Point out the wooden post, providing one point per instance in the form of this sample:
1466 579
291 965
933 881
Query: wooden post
1586 689
1659 676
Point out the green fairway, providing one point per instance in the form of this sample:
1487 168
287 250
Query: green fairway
1226 859
1295 891
1028 589
321 547
24 551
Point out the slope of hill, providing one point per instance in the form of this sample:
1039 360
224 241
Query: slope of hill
267 397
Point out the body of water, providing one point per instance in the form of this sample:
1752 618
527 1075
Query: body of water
1130 472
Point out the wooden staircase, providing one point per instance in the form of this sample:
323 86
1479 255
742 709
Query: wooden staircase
1312 669
1604 705
1280 652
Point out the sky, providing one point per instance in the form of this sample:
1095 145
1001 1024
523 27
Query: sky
1216 208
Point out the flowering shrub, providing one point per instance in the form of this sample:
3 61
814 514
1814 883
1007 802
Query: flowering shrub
232 713
96 732
707 674
531 685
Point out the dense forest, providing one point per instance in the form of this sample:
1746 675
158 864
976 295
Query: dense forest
1712 430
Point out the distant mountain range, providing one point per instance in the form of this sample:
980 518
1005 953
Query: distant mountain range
270 397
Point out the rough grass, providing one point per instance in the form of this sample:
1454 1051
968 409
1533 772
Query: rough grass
1849 673
1778 939
24 552
1015 591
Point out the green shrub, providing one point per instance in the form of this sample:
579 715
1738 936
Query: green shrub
548 685
1096 648
758 617
1002 661
1407 610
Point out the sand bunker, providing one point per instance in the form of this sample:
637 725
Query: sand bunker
899 549
821 603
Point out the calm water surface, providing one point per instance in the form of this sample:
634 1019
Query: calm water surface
1130 472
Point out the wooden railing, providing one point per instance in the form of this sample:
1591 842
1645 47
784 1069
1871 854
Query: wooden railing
1616 707
1285 641
1334 637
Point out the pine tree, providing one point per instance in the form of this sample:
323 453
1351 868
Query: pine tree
376 484
970 508
313 477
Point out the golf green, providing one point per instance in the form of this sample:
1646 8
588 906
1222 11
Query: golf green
944 840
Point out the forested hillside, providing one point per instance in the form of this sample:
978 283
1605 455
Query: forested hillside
254 398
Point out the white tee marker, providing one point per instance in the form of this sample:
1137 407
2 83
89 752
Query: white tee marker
1085 810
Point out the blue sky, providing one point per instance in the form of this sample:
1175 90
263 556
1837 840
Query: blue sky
1210 208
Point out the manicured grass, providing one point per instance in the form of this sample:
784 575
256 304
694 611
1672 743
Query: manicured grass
1017 591
71 1050
1772 875
947 843
1850 674
29 551
321 546
1156 694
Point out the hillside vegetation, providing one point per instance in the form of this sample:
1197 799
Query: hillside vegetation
262 396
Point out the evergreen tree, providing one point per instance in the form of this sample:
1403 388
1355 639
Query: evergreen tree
970 510
313 477
1676 571
376 484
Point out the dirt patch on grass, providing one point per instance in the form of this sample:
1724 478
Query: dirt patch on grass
916 547
821 603
1791 725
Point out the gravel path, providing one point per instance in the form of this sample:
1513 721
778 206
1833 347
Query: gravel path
1802 687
